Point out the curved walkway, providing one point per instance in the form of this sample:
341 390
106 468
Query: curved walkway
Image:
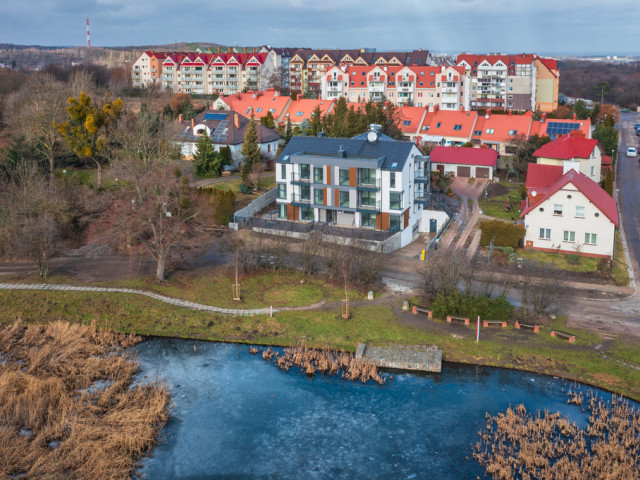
163 298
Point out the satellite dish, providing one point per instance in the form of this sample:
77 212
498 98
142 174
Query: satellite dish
486 116
372 136
534 193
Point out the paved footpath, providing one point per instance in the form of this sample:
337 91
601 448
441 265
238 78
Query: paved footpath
170 300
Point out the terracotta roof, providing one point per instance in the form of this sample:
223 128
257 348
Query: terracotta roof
590 189
540 127
301 109
258 102
499 128
411 118
540 176
445 123
464 156
550 63
567 147
606 161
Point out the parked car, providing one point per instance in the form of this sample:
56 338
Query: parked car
632 152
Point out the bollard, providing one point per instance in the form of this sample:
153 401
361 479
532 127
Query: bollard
370 295
414 310
449 318
517 324
536 328
504 324
485 323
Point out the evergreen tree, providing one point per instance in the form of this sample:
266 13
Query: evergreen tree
288 133
608 182
316 121
268 120
250 149
208 162
225 153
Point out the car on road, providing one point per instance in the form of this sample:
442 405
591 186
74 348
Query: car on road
632 152
625 110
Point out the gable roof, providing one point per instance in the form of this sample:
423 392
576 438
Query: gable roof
500 128
553 127
392 155
301 109
540 176
232 129
464 156
411 118
258 102
567 147
444 123
590 189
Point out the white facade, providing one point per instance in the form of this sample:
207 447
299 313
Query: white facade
568 222
141 71
591 166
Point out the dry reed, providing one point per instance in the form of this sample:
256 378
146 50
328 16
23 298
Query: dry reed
312 361
518 445
67 405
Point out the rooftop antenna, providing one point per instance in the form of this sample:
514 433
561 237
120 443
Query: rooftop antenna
88 34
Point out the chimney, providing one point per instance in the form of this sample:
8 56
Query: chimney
543 118
436 108
319 97
509 112
236 120
342 153
180 118
193 123
574 116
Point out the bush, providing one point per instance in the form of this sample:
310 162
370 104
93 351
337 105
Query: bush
223 203
507 250
506 234
471 306
573 259
471 180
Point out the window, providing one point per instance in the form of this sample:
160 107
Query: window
489 131
593 170
368 219
299 114
368 199
569 236
258 110
344 199
305 192
282 192
477 132
438 124
317 175
545 233
318 196
557 209
343 178
590 238
513 132
395 201
306 213
368 176
395 223
457 127
408 122
283 172
580 212
392 180
282 210
305 170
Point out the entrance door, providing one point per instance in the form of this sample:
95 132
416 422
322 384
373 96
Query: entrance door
331 216
433 225
440 169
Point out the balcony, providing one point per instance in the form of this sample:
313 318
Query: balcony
368 207
376 87
450 90
296 179
367 185
421 198
421 177
405 89
298 201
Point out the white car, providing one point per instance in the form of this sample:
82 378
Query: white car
632 152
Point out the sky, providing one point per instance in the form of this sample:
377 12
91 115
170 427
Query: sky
451 26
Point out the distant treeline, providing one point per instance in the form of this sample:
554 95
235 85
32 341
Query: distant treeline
619 83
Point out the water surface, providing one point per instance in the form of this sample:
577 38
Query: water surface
237 416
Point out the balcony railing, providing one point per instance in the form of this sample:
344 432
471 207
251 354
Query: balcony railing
298 200
368 207
376 88
297 179
368 184
405 89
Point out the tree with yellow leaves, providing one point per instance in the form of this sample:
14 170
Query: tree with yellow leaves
87 127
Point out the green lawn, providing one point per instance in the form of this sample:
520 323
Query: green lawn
559 260
620 271
233 184
494 206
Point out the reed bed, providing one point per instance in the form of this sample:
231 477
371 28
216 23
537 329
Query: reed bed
312 361
68 408
519 445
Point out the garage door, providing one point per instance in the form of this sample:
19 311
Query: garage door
481 172
463 171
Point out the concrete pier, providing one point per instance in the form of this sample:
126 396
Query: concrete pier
404 357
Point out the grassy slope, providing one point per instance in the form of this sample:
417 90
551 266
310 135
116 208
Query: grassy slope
494 206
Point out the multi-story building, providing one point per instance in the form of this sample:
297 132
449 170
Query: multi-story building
147 69
371 183
421 86
281 58
307 67
511 82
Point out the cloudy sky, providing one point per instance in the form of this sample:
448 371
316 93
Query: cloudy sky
452 26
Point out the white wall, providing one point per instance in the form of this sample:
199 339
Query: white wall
600 224
440 216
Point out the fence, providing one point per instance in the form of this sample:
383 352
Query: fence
255 206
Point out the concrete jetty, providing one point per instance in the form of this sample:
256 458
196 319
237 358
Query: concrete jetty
404 357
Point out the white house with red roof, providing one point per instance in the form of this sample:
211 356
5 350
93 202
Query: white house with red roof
464 161
567 212
573 148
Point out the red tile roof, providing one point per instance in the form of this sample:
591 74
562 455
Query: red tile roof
567 147
301 109
508 60
258 102
590 189
550 63
504 127
443 123
606 161
464 156
411 118
539 127
540 176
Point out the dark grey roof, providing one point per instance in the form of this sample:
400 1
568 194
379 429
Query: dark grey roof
394 152
382 137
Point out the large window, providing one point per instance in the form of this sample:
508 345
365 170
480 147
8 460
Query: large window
344 177
545 233
306 213
590 238
305 171
557 209
395 222
305 192
283 172
580 212
368 219
395 201
368 199
317 175
344 199
569 236
392 180
318 196
282 192
368 176
282 210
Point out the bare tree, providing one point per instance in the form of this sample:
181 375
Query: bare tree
442 273
39 241
540 287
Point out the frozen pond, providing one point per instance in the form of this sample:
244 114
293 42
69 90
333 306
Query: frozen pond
237 416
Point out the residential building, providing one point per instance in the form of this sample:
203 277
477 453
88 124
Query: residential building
281 58
413 85
147 69
571 149
371 184
225 129
498 130
547 84
555 127
567 212
300 110
464 161
446 127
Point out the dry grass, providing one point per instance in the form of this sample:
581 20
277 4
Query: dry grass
312 361
67 405
518 445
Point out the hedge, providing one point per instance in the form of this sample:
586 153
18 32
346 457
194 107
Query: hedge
506 234
471 306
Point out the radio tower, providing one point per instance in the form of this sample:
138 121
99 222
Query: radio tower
88 34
